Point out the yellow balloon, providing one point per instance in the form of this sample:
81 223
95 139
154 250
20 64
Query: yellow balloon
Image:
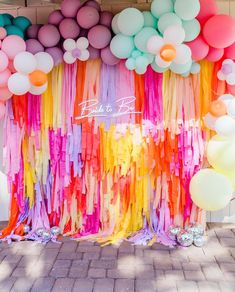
221 154
210 190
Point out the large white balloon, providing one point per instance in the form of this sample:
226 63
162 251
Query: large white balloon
225 126
19 84
45 62
226 98
209 121
25 63
231 108
174 34
37 90
183 54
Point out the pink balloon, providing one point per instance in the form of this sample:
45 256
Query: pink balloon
3 61
34 46
108 58
69 8
208 8
32 31
231 89
88 17
219 31
48 35
94 53
229 53
4 76
11 66
5 94
3 33
55 17
13 45
106 18
199 48
57 55
2 110
69 29
99 36
215 55
93 4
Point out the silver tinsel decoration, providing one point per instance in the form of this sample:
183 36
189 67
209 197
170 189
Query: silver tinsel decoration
185 238
39 232
26 229
199 240
195 229
55 230
173 231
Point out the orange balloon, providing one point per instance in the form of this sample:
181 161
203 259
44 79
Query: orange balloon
168 53
38 78
218 108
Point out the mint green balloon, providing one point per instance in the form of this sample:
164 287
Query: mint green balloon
161 7
150 57
195 68
2 23
136 53
141 62
158 69
130 64
14 30
130 21
122 46
141 70
149 20
181 68
7 19
185 75
141 39
192 29
22 22
187 9
167 20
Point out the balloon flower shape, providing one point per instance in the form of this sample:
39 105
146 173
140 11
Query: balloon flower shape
31 73
169 50
76 50
227 72
139 61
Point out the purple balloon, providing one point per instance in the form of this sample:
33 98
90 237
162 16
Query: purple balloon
108 57
93 4
69 8
99 36
227 69
32 31
55 17
33 46
57 55
48 35
94 53
106 18
69 29
88 17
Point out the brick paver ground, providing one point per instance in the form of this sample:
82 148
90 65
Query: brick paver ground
86 267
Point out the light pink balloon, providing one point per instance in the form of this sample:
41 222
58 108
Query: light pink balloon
11 66
215 55
69 29
3 33
69 8
2 110
106 18
49 35
4 76
231 89
88 17
99 36
5 94
34 46
13 45
199 48
94 53
93 4
229 53
208 8
3 61
219 31
108 58
32 31
55 17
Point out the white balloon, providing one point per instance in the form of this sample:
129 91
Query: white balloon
161 63
174 34
25 62
68 58
231 79
225 126
183 54
84 55
220 75
18 84
37 90
154 44
209 121
231 108
69 45
45 62
226 98
82 43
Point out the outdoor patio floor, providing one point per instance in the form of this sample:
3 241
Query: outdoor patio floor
86 267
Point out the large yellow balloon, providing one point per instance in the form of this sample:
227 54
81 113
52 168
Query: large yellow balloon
221 154
210 190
